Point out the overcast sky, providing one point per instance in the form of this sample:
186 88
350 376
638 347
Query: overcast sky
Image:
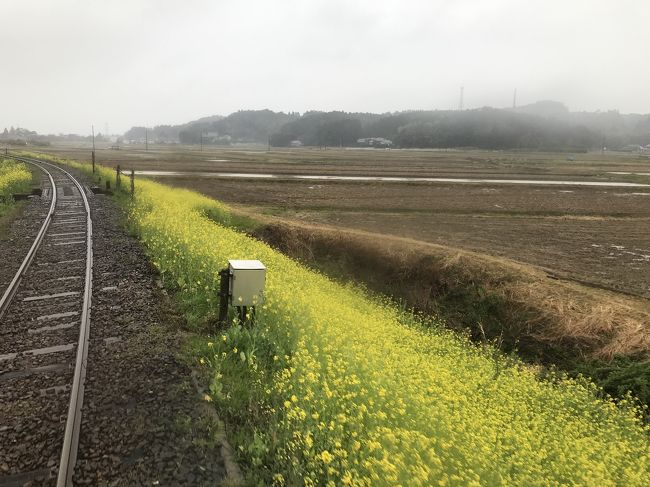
67 64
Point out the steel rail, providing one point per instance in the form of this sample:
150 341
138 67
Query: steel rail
9 293
73 422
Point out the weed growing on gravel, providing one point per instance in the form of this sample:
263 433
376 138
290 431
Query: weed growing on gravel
14 178
332 386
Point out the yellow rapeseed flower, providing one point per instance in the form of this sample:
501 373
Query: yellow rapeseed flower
408 402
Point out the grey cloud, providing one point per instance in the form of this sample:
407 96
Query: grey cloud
70 63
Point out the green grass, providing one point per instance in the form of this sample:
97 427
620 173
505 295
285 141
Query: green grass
620 377
9 213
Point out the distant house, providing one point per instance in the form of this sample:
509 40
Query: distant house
634 148
211 137
295 143
374 142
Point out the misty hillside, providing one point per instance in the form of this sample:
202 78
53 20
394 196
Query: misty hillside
242 126
615 128
170 133
545 125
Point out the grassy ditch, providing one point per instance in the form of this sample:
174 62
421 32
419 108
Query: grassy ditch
334 386
520 308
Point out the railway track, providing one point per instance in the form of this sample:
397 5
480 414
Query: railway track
45 319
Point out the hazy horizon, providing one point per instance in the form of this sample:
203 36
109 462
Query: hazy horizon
74 63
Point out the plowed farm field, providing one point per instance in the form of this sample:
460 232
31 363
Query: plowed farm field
582 217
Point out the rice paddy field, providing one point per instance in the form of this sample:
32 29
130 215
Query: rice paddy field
332 386
557 219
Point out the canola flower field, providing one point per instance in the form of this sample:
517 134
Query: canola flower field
336 387
14 178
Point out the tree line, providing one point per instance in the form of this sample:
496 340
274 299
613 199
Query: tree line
540 126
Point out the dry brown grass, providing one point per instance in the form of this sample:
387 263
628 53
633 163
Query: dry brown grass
518 304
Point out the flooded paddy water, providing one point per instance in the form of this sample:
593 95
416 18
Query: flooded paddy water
388 179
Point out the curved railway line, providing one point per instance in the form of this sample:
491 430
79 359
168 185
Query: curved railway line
45 319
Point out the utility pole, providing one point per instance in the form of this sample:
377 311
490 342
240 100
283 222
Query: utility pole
201 140
93 130
514 99
460 102
146 140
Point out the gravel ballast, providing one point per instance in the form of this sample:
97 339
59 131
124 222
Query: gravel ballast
143 420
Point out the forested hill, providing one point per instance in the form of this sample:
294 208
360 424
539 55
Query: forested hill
241 126
544 125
